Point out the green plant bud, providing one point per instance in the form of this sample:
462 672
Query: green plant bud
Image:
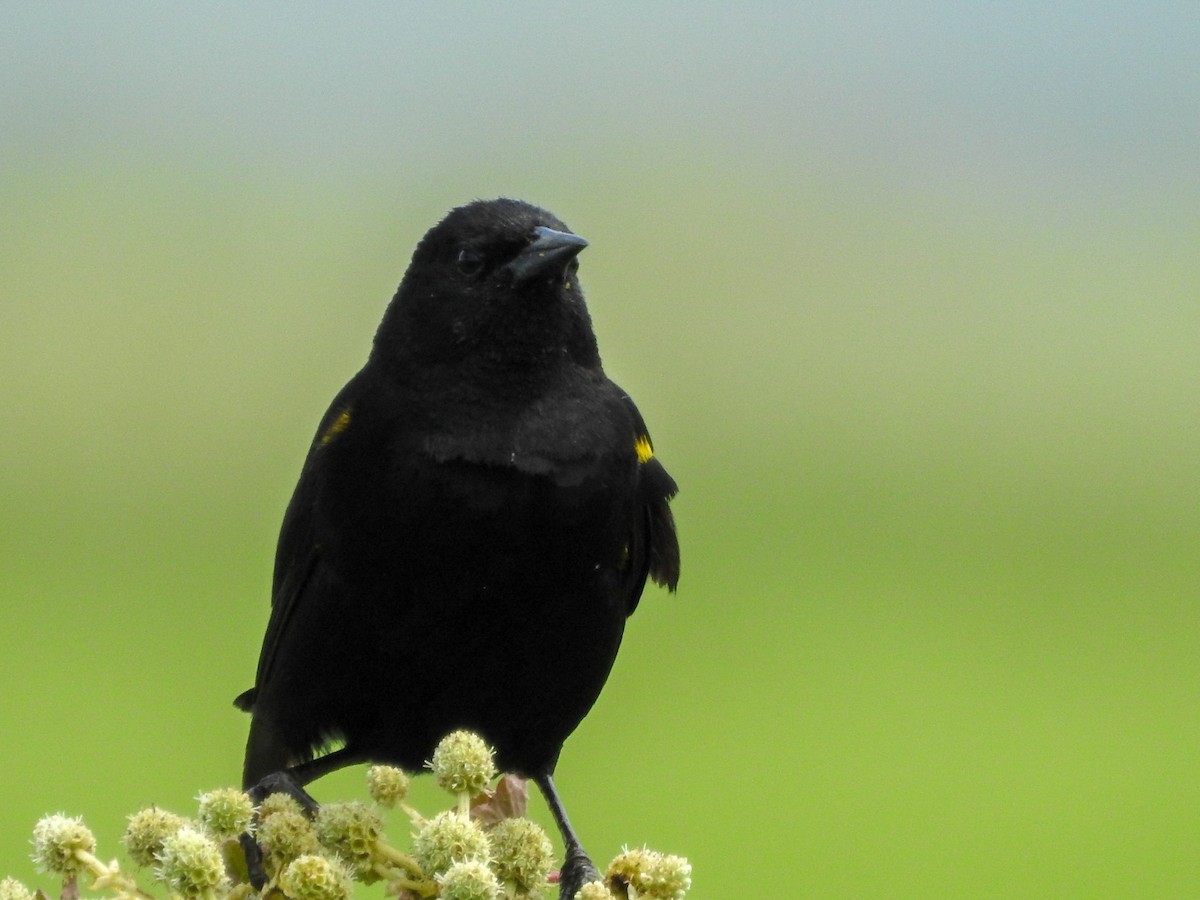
190 863
448 838
287 835
594 890
652 874
522 853
469 880
55 840
226 812
462 763
387 785
11 889
279 803
146 831
313 877
352 831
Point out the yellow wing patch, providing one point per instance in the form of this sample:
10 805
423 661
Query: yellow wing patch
644 451
336 427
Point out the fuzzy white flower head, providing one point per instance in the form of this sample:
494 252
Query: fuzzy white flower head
652 874
522 853
226 812
462 763
55 842
146 831
190 863
352 831
387 785
11 889
469 880
449 838
313 877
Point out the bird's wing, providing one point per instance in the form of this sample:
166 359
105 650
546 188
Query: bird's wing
297 554
654 547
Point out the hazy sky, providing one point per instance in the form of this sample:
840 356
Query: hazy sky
1083 94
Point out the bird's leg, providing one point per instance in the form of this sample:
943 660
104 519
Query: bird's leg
577 868
289 781
284 782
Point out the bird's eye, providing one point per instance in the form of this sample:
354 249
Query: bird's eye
470 263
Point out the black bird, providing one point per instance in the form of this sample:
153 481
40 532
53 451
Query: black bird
477 516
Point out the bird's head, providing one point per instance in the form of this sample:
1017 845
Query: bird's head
493 286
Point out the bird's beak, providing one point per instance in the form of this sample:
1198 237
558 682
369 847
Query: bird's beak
549 250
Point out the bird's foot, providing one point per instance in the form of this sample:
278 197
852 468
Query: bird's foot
284 783
275 783
577 870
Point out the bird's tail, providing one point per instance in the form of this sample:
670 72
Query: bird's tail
265 753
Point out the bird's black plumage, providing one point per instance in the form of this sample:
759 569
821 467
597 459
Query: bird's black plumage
477 516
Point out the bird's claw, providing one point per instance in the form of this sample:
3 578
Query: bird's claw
577 870
275 783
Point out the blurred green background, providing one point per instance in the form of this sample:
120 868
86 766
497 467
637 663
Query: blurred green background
908 295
